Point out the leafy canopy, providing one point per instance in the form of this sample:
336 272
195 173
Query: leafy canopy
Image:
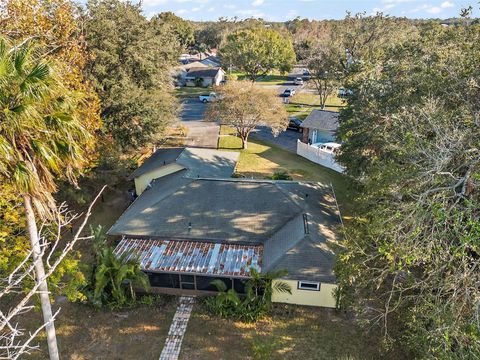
183 29
130 70
411 135
42 135
244 106
257 51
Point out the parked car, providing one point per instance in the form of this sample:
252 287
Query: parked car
329 147
306 75
208 98
298 81
288 93
295 124
342 92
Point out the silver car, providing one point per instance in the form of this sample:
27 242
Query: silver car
298 81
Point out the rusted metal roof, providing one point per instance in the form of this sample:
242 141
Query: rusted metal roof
193 257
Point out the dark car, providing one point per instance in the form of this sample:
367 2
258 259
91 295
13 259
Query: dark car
288 93
295 124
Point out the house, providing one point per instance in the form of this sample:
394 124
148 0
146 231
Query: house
197 162
212 61
204 76
181 71
188 229
320 126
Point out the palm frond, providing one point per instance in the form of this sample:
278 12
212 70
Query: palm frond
282 287
220 285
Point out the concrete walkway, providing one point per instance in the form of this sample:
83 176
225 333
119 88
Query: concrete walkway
173 343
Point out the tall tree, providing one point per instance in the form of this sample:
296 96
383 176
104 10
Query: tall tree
42 138
131 71
54 24
54 27
325 70
257 51
183 29
244 106
411 137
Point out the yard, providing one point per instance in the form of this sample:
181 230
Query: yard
270 79
188 92
261 160
86 334
303 103
291 332
140 332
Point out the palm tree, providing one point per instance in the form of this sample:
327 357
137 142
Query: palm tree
116 277
257 301
41 139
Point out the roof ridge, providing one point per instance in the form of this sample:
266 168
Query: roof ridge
260 181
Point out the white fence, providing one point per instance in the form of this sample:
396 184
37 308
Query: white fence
318 156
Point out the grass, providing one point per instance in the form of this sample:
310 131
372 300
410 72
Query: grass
302 104
189 92
261 160
291 332
271 79
86 333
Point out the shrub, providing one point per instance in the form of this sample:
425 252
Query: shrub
281 175
257 301
113 277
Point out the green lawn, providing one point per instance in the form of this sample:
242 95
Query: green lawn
261 160
303 103
271 79
186 91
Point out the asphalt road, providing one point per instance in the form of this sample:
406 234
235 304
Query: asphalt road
286 140
200 133
205 134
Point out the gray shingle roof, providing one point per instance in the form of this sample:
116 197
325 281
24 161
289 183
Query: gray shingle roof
203 72
161 157
321 120
236 211
240 211
211 61
208 163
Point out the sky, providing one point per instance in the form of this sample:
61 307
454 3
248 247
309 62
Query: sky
282 10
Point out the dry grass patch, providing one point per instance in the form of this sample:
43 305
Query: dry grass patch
292 332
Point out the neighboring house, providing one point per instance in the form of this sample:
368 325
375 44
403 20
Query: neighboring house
188 229
212 61
188 58
320 126
180 72
204 76
161 163
197 162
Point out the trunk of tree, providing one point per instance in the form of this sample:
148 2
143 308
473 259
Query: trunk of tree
244 143
40 276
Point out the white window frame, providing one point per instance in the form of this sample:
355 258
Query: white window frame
300 282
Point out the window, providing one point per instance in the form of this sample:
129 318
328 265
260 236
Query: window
308 285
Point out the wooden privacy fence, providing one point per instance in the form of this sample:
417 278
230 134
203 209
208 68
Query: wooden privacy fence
318 156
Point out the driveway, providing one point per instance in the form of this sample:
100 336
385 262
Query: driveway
200 133
286 140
